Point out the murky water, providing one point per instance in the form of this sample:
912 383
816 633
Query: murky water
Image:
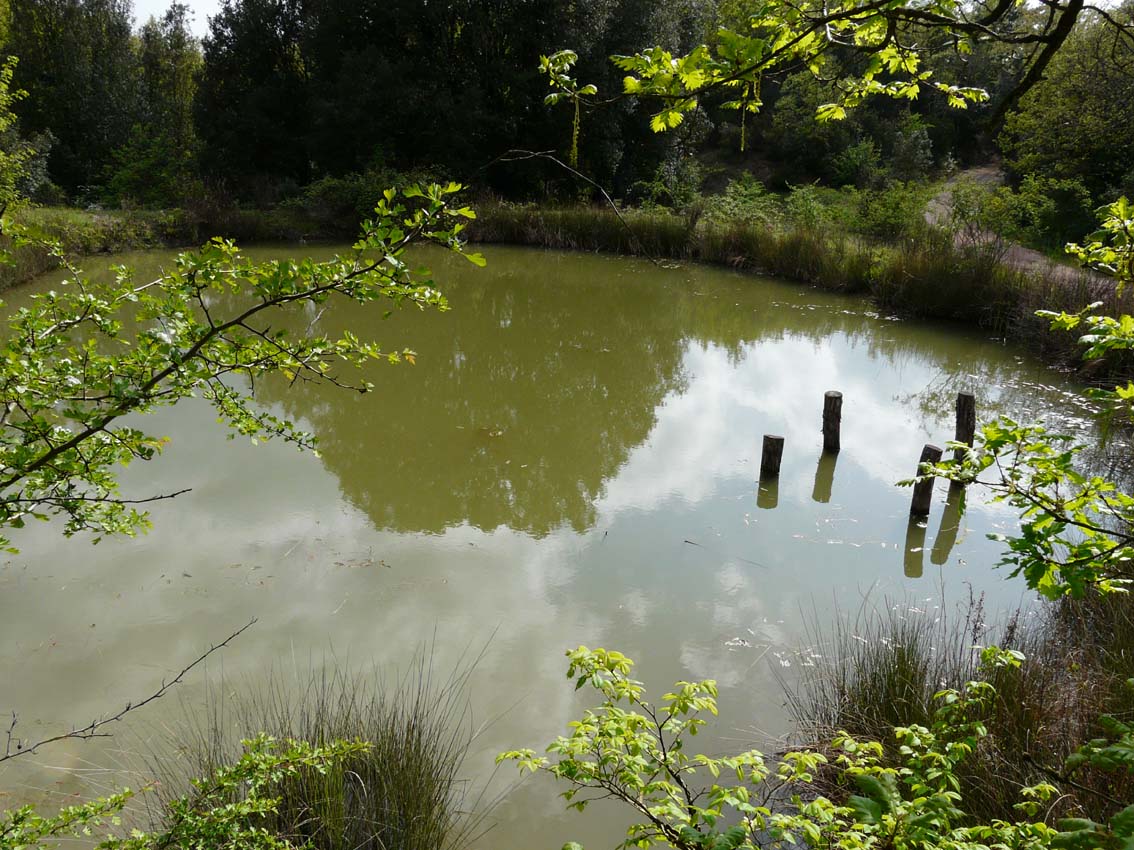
572 460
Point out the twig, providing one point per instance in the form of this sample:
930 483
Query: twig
1067 780
91 730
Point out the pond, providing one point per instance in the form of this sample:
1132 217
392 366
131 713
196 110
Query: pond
571 460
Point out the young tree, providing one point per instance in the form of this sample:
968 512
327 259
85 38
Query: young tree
157 166
78 66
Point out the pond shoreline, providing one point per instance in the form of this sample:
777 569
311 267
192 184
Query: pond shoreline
932 276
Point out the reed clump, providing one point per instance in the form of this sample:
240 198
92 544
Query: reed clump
883 669
403 791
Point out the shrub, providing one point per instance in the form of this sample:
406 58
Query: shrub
859 165
1045 211
899 793
895 212
912 155
805 207
746 201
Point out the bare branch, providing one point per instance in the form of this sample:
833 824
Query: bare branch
15 748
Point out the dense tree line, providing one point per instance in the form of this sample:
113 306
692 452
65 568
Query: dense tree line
283 93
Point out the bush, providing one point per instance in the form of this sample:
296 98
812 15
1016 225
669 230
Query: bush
912 156
746 201
1045 212
805 207
899 792
341 202
859 165
895 212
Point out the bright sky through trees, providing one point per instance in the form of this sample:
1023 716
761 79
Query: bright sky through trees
201 9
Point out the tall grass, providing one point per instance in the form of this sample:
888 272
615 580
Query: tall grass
928 273
882 669
404 792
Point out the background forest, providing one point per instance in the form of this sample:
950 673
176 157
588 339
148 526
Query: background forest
316 103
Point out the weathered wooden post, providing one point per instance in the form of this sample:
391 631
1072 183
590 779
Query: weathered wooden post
923 490
771 455
832 419
966 422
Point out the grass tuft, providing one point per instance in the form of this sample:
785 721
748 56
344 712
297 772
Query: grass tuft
404 792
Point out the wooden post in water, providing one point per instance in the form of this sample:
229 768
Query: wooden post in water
923 490
832 419
771 455
966 422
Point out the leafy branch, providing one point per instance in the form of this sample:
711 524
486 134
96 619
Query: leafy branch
82 357
629 750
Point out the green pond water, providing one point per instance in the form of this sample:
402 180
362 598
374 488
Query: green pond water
572 460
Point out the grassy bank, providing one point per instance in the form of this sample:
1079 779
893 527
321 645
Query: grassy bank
926 273
882 670
92 232
917 271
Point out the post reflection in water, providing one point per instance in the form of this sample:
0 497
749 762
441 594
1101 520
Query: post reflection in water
824 477
950 526
569 423
913 561
768 493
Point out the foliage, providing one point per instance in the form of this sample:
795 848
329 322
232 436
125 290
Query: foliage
859 165
676 184
79 68
224 811
83 356
558 66
912 156
14 157
339 203
24 828
636 752
745 201
1075 527
1110 249
894 212
869 672
157 166
1043 211
805 207
1073 124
